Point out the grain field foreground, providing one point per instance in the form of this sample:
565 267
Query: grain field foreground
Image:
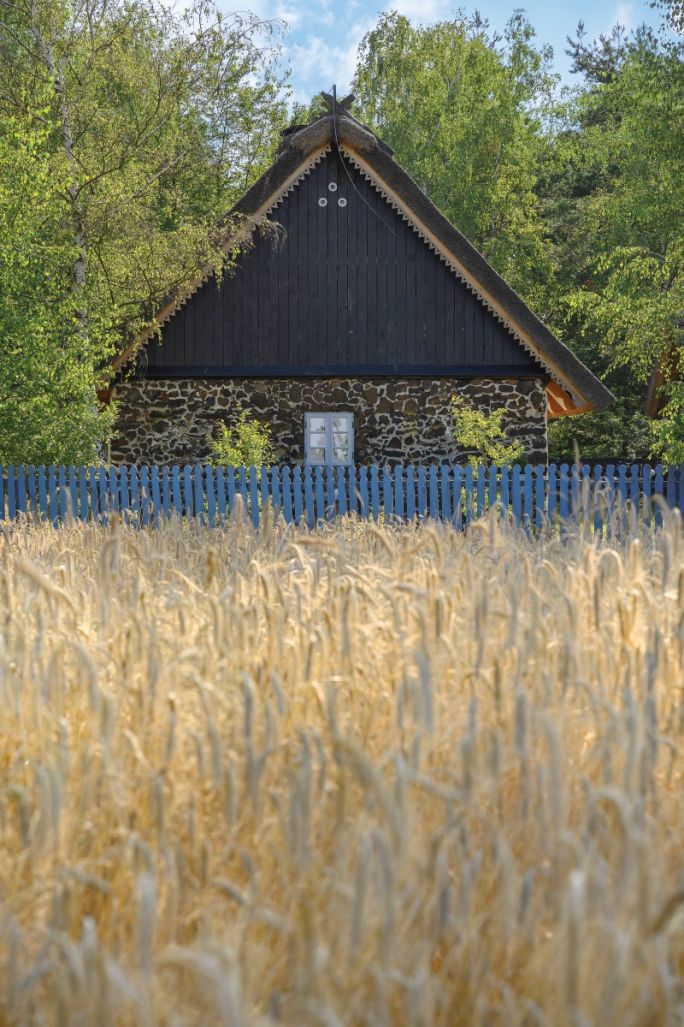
366 777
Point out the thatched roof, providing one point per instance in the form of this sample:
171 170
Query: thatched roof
303 146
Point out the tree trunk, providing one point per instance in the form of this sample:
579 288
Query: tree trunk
78 276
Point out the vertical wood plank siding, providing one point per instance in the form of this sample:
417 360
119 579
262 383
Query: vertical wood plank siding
339 286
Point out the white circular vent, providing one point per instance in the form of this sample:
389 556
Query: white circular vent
332 186
323 202
341 202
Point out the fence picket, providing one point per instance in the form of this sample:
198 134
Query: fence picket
221 493
166 493
505 492
309 498
353 489
457 505
375 493
188 504
363 492
468 495
2 493
52 495
445 487
398 492
551 497
27 487
330 494
422 492
492 483
198 480
646 486
232 488
481 480
254 495
113 490
341 491
94 487
264 487
432 488
671 486
528 511
387 493
124 494
211 496
516 494
658 490
42 493
11 493
145 495
410 493
103 493
242 489
134 485
634 492
320 494
621 515
297 493
609 478
539 495
287 496
176 491
276 500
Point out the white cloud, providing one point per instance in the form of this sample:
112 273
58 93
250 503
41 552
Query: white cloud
420 10
317 63
623 15
289 13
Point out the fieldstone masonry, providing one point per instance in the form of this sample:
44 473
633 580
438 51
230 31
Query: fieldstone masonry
396 420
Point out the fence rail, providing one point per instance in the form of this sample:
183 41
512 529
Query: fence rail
601 498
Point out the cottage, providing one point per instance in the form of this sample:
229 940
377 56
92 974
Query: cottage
347 327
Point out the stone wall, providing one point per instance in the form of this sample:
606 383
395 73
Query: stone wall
171 421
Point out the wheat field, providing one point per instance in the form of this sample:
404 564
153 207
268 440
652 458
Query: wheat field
367 776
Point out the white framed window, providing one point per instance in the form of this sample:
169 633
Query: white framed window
329 438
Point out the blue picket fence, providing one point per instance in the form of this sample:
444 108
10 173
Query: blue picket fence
602 498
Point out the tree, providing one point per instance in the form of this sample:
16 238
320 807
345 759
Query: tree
618 183
154 123
247 444
463 110
484 435
48 372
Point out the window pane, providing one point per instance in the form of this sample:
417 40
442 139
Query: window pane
316 423
340 438
341 424
317 438
341 453
317 454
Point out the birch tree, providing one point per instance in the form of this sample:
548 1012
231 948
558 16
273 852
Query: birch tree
152 123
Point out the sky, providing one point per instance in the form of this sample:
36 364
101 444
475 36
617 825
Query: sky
321 38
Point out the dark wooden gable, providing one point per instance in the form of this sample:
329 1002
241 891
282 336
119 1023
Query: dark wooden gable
347 286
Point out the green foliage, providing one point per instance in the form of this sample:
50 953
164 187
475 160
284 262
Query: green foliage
668 431
617 432
152 123
463 111
248 443
484 433
612 187
48 371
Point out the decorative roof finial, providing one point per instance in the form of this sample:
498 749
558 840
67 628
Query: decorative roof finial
343 104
